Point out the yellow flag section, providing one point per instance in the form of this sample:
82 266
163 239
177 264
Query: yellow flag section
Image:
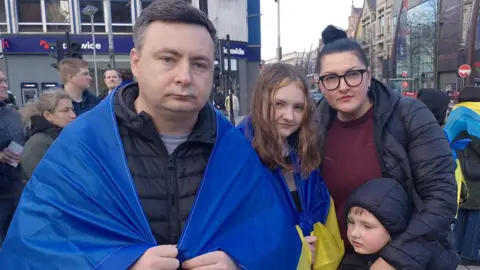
460 182
329 247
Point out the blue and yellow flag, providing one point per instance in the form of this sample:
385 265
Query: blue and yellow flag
80 209
318 217
465 117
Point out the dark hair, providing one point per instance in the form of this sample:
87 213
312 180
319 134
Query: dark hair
469 94
336 41
126 74
174 11
266 140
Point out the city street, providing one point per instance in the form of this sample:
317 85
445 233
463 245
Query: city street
468 268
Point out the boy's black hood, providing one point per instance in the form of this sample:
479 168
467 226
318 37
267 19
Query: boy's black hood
387 200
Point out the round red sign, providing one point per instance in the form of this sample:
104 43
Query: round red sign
464 71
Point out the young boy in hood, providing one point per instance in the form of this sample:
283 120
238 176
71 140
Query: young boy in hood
377 211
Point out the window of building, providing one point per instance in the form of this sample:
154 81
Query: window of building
382 24
145 3
57 13
3 17
121 16
98 18
29 15
43 15
389 25
394 24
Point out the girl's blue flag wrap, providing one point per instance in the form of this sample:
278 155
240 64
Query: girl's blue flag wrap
80 209
317 218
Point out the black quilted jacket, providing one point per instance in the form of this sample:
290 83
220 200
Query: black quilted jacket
166 184
413 150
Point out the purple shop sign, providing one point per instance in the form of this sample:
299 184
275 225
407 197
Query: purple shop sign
41 44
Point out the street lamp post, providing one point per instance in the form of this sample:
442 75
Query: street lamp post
279 45
90 11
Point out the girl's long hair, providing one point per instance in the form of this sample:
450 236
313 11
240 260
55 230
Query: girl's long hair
266 140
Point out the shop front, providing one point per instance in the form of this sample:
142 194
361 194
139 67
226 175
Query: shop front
27 61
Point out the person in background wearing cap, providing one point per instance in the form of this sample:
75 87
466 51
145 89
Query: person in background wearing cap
377 211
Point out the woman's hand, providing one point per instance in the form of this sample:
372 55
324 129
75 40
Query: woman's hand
311 241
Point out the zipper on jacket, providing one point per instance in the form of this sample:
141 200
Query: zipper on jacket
172 194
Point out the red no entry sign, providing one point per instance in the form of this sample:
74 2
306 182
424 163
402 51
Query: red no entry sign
464 71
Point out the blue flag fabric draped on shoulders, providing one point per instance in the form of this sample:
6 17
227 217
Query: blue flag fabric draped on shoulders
80 209
313 192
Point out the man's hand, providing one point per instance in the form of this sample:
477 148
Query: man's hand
381 264
158 258
312 241
217 260
7 156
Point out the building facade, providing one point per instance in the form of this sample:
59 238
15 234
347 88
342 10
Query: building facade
353 20
27 27
374 32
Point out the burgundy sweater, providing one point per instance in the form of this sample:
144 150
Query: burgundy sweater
350 160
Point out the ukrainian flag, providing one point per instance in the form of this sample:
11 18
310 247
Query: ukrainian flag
318 217
465 117
80 209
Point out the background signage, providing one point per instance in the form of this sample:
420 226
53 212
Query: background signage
38 44
123 44
237 49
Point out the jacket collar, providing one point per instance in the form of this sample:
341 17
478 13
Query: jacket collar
204 130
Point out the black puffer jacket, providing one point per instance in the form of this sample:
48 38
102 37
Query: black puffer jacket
166 184
388 201
413 150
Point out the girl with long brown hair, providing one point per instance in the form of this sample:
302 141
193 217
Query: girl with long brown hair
283 132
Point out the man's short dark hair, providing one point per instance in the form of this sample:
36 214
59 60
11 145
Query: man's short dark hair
175 11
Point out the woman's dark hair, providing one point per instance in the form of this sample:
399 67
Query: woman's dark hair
469 94
266 140
336 41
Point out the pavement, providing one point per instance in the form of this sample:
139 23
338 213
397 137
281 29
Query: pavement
468 268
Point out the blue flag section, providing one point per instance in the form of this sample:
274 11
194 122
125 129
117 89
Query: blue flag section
80 209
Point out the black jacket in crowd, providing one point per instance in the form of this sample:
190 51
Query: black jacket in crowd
413 150
166 184
40 136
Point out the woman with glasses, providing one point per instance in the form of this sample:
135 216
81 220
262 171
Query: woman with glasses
369 131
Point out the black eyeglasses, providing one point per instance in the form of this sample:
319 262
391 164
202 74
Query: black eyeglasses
352 78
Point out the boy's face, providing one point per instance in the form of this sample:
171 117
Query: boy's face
365 233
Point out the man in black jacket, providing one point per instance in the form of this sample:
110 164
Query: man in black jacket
167 128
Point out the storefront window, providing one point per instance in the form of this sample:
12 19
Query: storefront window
121 16
98 18
3 17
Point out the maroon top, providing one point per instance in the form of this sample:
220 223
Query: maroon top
350 160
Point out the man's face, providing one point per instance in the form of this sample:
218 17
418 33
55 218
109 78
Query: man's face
112 79
3 87
82 79
174 68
